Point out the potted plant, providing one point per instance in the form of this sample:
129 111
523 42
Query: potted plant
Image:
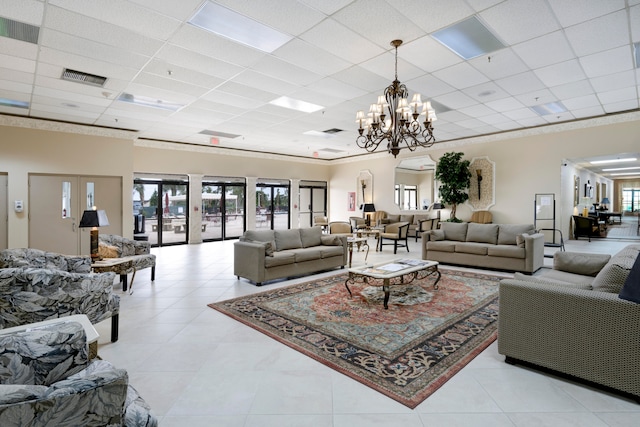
455 178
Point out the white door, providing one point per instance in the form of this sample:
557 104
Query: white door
56 204
4 216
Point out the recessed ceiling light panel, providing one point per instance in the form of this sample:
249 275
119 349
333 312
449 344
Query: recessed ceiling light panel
296 104
149 102
469 38
600 162
4 102
549 108
239 28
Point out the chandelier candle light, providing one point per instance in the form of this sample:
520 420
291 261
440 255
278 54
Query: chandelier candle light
402 129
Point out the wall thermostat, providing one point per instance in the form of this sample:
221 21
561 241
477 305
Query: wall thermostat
18 205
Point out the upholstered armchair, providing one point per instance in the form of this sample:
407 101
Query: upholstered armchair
340 228
320 221
357 222
422 223
397 233
47 379
139 252
36 285
584 226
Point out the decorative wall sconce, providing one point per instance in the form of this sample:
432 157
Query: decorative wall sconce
479 174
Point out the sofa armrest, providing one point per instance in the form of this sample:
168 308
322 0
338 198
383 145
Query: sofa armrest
534 249
580 263
588 334
249 260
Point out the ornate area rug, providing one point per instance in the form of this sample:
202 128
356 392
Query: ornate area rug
406 352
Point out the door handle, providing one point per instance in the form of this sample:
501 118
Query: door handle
73 225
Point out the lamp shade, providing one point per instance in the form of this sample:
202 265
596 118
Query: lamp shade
605 201
369 207
91 218
438 206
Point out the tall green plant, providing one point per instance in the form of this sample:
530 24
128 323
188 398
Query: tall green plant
455 177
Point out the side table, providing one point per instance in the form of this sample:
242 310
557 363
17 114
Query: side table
120 266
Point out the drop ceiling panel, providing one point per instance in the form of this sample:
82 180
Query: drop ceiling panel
428 54
461 75
309 57
562 73
169 84
18 48
499 64
516 21
84 64
545 50
433 15
599 34
608 62
179 56
16 76
27 11
576 11
280 69
182 74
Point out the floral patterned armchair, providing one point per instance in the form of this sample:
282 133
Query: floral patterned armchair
114 246
36 285
47 379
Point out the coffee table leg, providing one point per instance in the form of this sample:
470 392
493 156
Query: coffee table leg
385 288
347 286
350 254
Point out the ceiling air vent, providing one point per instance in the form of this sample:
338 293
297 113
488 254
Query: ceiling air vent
80 77
332 130
19 30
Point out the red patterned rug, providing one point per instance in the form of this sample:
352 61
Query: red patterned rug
406 352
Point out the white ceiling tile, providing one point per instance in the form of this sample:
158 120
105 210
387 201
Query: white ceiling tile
381 23
169 84
179 56
181 74
504 105
478 110
634 19
571 12
581 102
66 96
213 46
515 21
138 89
609 62
15 86
18 48
307 56
455 100
545 50
231 99
124 14
279 69
429 86
499 64
67 110
428 54
607 32
18 64
329 35
26 11
520 83
614 96
432 15
182 10
16 76
289 16
461 75
495 118
328 7
336 88
520 114
84 64
614 81
485 92
562 73
361 78
593 111
83 27
384 65
616 107
13 110
247 91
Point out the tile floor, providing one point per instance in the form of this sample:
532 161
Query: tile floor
197 367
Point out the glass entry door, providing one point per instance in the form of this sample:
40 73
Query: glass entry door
313 202
272 205
223 213
163 204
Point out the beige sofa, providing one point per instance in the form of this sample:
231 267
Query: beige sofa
572 319
511 247
262 255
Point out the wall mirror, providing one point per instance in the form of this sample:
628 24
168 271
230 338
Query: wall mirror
576 190
414 187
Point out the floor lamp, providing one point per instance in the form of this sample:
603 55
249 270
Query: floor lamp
94 219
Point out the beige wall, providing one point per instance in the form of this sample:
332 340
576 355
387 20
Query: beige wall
525 165
24 151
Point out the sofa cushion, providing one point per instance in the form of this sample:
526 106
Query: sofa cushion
260 235
311 236
631 288
330 240
443 246
546 279
507 232
613 275
506 251
331 251
418 218
306 254
471 248
482 233
392 218
288 239
580 263
437 235
280 258
454 230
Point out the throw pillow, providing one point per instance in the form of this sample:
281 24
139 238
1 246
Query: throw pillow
437 235
329 240
611 278
520 240
631 289
107 251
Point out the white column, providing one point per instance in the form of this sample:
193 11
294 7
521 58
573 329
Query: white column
195 206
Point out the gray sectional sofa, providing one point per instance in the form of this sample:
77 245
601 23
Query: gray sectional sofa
262 255
512 247
575 319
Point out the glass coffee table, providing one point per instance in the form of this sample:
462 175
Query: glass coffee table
398 272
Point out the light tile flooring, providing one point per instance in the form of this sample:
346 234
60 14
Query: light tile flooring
197 367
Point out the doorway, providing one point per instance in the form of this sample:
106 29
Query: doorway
313 201
272 204
223 208
163 205
56 204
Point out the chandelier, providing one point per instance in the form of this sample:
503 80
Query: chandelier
402 129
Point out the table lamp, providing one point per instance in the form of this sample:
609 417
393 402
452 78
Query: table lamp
94 219
366 209
605 203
